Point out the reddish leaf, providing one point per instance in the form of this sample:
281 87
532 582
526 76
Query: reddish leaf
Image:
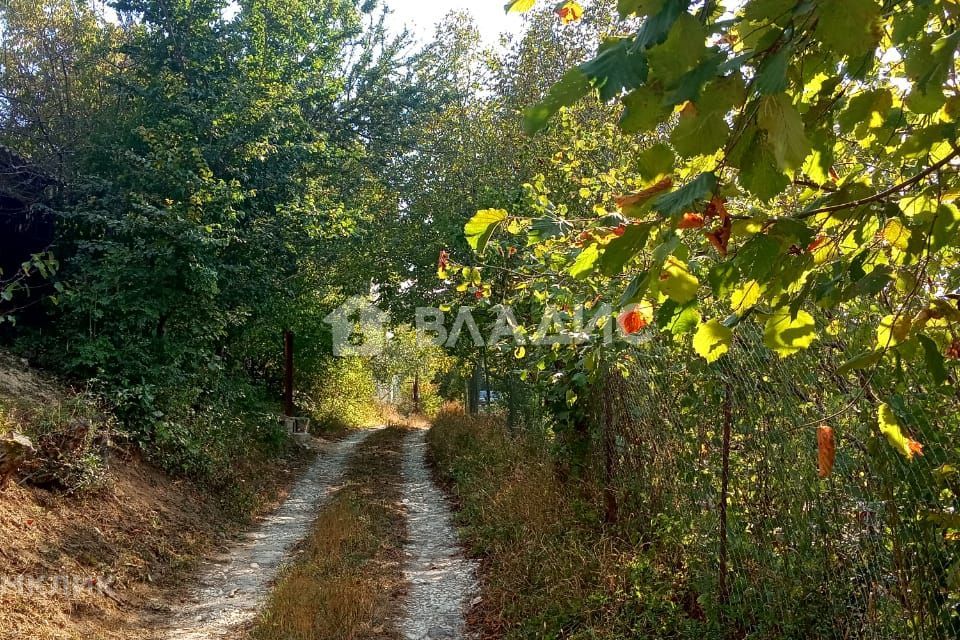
816 244
638 198
915 447
827 446
720 237
569 11
692 221
632 322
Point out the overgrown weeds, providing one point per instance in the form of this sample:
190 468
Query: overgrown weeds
550 568
349 578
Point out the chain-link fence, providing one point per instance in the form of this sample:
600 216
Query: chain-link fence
716 466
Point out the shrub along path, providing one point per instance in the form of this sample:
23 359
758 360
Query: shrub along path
232 590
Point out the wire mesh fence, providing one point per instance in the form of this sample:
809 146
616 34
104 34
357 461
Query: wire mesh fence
717 466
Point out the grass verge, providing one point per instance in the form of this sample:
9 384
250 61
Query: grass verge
549 568
348 580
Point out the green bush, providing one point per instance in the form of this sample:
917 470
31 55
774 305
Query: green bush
344 396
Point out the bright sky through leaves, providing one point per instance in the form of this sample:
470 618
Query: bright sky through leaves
421 17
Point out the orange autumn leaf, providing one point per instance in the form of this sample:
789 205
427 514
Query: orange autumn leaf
619 231
720 237
915 447
827 447
638 198
691 221
816 244
632 322
569 12
717 209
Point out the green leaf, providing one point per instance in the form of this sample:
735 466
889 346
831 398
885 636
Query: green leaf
699 133
545 228
622 249
869 285
700 188
712 340
946 228
863 361
684 47
657 27
788 336
643 109
691 83
482 226
573 86
772 77
934 359
585 262
636 289
723 277
759 173
849 27
656 161
618 66
639 7
757 257
784 127
679 320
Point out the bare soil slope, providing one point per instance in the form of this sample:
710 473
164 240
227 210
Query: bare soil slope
86 565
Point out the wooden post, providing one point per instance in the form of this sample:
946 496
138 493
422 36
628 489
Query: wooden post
288 374
724 582
416 392
608 435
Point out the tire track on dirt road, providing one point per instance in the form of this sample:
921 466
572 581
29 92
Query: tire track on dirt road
442 581
234 587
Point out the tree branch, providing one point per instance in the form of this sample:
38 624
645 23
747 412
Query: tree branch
883 195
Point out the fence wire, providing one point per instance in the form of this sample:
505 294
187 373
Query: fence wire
766 547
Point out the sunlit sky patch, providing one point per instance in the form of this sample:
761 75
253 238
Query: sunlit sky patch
421 16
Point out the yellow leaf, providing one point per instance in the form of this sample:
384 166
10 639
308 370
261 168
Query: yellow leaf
712 340
520 6
746 297
677 283
890 427
787 336
897 234
893 330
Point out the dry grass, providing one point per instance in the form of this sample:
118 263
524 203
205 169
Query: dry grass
139 532
549 569
348 582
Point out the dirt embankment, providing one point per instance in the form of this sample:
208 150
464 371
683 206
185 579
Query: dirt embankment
86 565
